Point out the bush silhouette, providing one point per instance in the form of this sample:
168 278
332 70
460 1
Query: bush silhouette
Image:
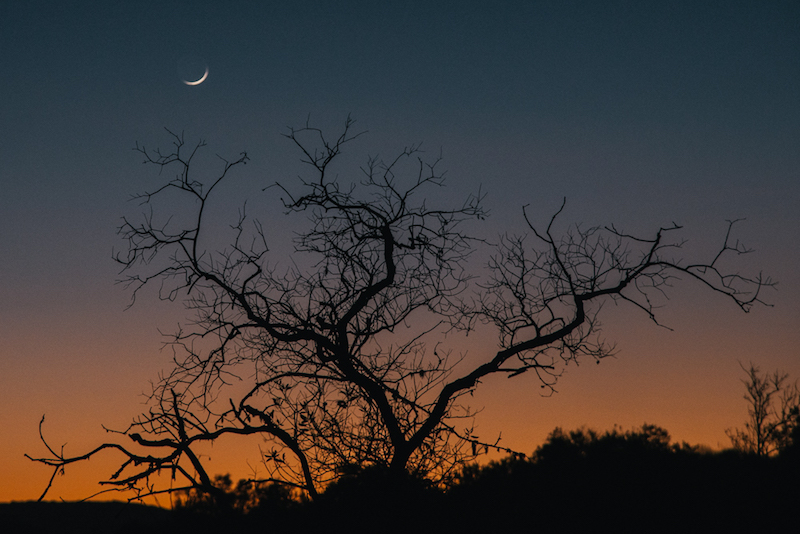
377 499
629 481
620 481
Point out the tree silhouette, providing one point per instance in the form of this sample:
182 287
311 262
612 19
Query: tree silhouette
344 348
773 413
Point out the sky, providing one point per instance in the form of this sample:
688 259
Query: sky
639 113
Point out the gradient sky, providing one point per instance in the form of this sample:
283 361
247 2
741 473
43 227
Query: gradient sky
640 113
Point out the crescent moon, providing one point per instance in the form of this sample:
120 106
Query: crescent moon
201 80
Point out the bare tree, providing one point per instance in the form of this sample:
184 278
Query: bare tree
344 349
773 413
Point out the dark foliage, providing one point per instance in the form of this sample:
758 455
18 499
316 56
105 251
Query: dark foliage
625 481
375 499
629 481
617 481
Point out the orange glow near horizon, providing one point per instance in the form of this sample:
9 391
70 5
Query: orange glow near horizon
671 379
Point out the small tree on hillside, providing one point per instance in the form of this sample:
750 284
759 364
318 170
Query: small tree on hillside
773 413
344 346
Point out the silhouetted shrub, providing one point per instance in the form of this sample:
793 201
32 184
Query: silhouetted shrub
625 481
375 499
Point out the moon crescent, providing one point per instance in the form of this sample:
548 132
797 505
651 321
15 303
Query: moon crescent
201 80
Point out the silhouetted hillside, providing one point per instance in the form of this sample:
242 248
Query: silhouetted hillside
579 481
632 481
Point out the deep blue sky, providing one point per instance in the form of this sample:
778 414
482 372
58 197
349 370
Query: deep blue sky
640 113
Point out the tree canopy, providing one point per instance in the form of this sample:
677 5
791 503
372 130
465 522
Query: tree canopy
344 346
